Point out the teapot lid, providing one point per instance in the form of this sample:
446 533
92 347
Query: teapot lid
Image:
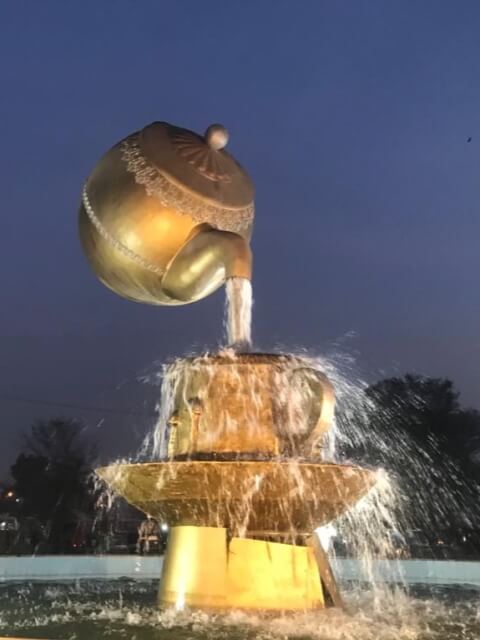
203 179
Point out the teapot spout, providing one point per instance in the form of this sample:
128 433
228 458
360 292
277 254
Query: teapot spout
237 256
205 262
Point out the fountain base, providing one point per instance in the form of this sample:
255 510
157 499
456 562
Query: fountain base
202 568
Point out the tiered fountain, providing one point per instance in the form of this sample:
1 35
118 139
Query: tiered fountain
166 218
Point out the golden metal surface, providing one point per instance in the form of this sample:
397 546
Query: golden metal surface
243 496
257 404
202 569
166 216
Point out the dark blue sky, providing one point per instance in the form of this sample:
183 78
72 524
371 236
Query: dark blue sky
352 118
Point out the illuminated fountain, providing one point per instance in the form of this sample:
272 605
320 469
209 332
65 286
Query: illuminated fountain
166 218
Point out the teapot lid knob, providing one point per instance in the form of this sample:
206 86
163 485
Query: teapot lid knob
216 136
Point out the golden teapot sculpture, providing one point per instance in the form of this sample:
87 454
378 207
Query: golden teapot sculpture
166 215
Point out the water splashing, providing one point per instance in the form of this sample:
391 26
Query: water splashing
94 611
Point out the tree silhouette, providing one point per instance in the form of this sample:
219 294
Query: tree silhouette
52 477
415 428
428 410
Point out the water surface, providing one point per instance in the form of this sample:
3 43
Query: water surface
96 610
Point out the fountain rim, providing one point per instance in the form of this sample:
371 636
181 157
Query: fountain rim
242 358
272 462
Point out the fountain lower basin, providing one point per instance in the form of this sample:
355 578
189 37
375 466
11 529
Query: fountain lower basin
246 497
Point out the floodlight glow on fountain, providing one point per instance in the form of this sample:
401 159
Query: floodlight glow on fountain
166 218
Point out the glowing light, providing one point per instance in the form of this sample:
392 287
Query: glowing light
258 481
180 601
325 535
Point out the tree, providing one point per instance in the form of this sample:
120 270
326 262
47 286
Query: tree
428 410
52 476
415 428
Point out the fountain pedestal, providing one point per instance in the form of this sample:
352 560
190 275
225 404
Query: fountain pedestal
202 568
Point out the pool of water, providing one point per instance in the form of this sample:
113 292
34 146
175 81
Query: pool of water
125 609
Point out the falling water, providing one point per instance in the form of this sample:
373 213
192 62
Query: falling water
238 312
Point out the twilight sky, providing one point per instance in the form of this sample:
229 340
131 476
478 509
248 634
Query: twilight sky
352 118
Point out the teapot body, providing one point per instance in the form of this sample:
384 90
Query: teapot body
158 228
